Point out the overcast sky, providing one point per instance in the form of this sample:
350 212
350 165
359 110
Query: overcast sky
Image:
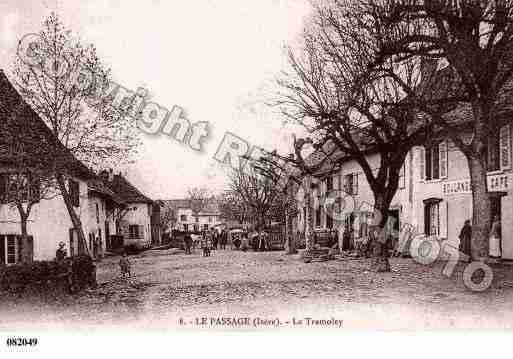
213 58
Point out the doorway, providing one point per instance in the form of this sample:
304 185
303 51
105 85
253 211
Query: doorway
495 204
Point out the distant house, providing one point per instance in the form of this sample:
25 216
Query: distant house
49 221
188 221
134 221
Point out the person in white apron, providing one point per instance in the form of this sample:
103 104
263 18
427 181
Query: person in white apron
495 238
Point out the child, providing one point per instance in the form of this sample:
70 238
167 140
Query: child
124 265
206 243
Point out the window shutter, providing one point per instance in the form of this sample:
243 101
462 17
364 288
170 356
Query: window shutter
3 188
505 147
435 160
20 251
443 218
355 183
422 155
2 249
442 151
402 177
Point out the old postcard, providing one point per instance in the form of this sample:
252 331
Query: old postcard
248 166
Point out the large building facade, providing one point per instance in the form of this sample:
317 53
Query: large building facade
434 196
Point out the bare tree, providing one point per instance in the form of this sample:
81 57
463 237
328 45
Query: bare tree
233 208
198 198
67 85
289 174
258 193
168 218
475 39
347 102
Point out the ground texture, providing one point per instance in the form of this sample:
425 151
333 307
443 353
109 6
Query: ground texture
174 290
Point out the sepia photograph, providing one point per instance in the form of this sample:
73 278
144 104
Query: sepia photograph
216 167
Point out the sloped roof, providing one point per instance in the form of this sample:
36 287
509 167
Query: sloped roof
175 203
22 128
127 191
212 206
97 185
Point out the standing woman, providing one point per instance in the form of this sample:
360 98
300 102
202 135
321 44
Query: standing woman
215 239
465 237
495 238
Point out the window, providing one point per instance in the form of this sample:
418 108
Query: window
205 226
74 192
133 230
351 183
196 228
183 217
402 177
505 145
493 154
498 150
434 161
432 218
318 216
10 248
186 227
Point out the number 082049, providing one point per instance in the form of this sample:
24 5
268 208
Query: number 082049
21 342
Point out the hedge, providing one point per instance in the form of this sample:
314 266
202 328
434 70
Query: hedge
69 275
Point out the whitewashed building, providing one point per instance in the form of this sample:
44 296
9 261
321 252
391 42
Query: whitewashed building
434 194
49 222
188 221
133 221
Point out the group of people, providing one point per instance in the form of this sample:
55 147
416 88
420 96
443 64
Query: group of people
212 239
209 239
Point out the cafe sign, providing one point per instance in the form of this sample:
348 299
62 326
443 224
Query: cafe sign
500 182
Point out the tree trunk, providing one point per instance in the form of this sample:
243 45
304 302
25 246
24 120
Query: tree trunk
309 237
379 235
481 208
289 232
75 219
26 250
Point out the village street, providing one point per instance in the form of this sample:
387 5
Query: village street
170 286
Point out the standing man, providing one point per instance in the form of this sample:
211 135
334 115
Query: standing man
60 253
188 242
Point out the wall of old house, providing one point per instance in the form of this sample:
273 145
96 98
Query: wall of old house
451 192
48 223
138 214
